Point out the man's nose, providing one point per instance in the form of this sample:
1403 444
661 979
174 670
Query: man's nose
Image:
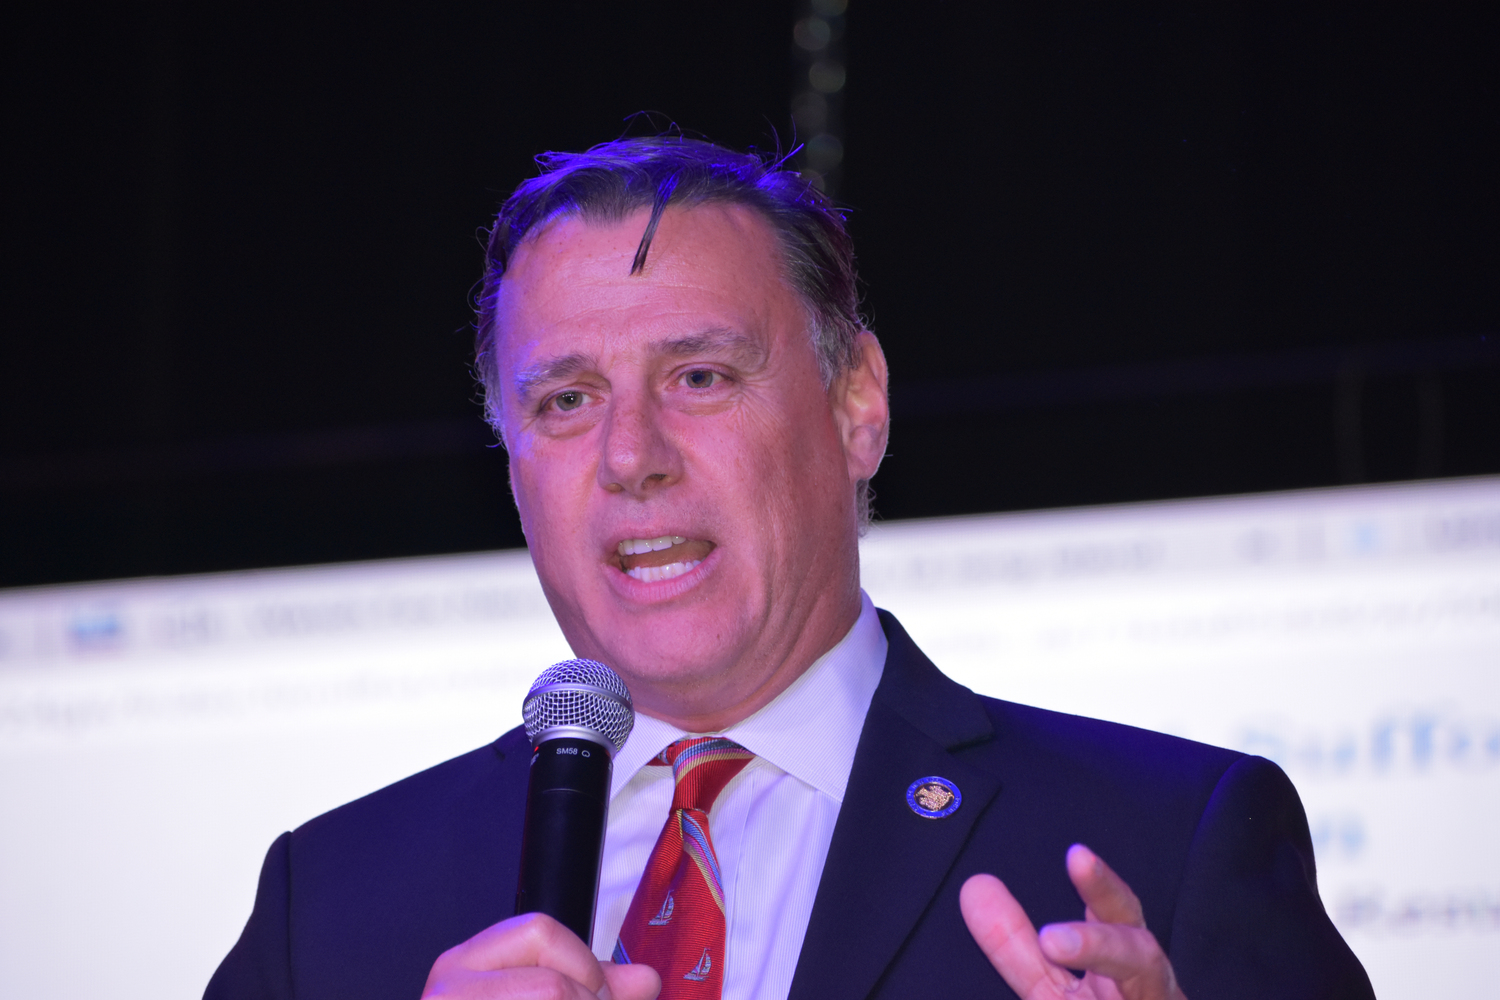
639 458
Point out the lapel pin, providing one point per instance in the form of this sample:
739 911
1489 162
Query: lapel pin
933 798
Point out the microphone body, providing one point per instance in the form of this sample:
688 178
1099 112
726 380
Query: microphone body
578 713
567 804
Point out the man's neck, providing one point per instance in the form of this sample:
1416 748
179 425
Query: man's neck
693 711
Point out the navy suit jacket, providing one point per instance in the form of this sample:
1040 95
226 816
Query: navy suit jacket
360 901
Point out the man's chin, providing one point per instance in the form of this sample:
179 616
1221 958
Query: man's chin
662 658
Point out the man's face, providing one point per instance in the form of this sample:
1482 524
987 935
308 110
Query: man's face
685 481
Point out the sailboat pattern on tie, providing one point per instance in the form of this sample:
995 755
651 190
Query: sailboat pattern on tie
663 915
700 972
682 884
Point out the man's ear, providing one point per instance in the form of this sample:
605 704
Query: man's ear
861 406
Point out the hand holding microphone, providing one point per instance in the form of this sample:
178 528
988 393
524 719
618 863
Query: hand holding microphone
578 714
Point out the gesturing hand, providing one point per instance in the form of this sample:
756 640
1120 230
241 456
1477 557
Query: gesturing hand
534 956
1121 957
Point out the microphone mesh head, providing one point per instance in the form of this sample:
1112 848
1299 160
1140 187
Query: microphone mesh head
580 694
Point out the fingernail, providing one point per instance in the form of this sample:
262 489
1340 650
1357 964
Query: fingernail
1064 942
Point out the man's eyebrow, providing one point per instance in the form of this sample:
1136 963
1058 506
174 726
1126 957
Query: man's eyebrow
747 350
532 377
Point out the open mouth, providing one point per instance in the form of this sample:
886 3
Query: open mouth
652 559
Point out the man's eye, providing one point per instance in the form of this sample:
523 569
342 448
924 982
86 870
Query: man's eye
700 379
569 400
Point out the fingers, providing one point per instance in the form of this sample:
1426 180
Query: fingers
1005 935
631 982
1122 957
1113 942
533 983
533 939
1128 955
1105 894
533 950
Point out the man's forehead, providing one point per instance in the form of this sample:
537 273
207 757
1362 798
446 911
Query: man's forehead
571 238
686 236
570 296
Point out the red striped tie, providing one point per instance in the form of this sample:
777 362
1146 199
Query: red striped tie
675 923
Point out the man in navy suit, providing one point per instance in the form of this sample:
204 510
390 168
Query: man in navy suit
692 411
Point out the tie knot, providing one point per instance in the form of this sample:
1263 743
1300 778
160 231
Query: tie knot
701 767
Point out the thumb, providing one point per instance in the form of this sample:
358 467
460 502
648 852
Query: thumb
629 982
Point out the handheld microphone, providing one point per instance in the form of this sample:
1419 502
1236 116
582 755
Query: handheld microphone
577 714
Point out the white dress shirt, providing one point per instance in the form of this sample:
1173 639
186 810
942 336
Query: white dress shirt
771 825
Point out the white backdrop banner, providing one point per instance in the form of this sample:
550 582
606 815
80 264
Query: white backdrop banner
156 735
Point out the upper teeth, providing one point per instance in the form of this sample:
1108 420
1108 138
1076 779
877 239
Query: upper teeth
635 546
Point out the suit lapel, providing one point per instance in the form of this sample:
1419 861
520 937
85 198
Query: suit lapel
885 862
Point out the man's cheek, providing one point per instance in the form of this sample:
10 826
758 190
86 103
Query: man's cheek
529 501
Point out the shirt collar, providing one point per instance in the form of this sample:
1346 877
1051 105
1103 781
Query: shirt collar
810 730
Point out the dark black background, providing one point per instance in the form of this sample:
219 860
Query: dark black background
1113 254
